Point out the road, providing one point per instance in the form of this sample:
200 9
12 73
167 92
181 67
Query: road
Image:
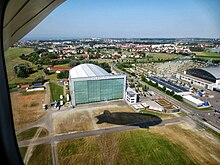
199 114
53 139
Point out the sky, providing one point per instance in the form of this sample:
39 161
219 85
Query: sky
131 19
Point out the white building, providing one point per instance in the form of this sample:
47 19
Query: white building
90 83
208 78
131 96
152 105
195 102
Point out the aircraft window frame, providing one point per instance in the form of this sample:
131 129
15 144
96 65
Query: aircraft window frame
8 143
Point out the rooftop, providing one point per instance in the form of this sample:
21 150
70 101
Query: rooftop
167 84
193 99
215 71
87 70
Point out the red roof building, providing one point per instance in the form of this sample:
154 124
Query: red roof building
58 68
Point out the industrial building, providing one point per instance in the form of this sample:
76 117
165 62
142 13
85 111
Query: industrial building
169 86
90 83
196 102
152 105
208 78
131 96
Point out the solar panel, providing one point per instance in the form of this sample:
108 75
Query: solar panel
168 84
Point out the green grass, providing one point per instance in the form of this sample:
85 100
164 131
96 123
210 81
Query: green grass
161 115
130 147
41 155
56 91
201 109
52 77
143 147
157 56
23 151
79 151
181 114
208 55
12 58
44 133
28 134
13 53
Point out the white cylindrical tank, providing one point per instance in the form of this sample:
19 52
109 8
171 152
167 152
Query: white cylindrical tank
61 96
67 97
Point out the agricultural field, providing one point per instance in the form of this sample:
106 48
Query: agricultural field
26 107
208 55
173 144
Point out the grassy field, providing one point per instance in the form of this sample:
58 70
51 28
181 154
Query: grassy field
158 56
28 134
133 147
12 58
208 55
82 119
173 144
41 155
146 148
73 121
23 151
161 115
26 108
56 91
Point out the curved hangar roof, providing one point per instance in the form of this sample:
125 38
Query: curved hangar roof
215 71
210 73
87 70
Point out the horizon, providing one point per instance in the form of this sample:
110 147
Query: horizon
132 38
131 19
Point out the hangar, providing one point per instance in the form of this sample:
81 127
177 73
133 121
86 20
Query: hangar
211 74
90 83
208 77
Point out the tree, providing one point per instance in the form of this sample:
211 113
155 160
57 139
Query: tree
39 67
143 78
22 70
74 63
63 74
164 88
145 88
46 71
39 79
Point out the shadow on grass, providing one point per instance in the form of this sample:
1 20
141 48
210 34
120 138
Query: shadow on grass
128 118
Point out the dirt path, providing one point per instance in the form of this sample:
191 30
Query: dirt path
93 120
31 147
47 94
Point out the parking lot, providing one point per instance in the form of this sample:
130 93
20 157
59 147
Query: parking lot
215 101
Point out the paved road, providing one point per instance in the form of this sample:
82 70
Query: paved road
61 137
200 115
